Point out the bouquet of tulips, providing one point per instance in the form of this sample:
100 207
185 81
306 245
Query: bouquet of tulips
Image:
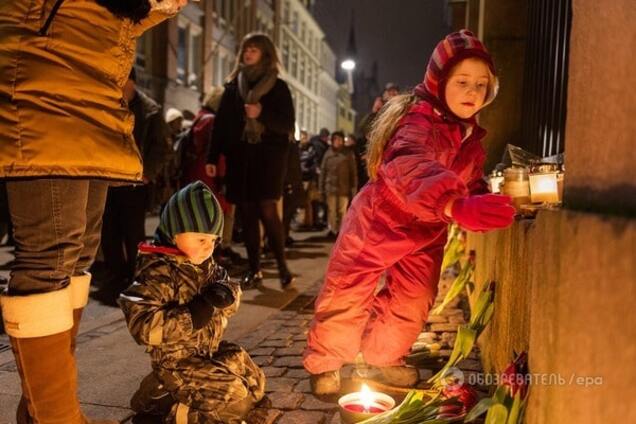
507 405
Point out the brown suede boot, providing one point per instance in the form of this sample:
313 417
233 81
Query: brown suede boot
399 376
80 287
36 324
78 291
326 383
40 330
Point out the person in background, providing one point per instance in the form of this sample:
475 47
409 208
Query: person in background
253 128
338 181
168 182
125 211
294 191
354 147
309 168
192 163
320 143
178 307
66 135
174 119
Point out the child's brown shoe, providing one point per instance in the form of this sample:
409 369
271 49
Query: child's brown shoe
399 376
326 383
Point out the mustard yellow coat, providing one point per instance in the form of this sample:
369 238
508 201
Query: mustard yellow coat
62 112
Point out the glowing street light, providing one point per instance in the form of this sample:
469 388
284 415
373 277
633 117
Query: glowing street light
348 65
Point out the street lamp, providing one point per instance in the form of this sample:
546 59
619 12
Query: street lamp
348 65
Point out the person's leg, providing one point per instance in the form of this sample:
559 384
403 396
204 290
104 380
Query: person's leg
308 221
220 390
81 278
50 220
332 214
404 302
289 210
251 234
134 229
368 244
112 237
343 204
228 227
274 229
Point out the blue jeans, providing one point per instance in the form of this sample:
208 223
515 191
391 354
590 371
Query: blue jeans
57 224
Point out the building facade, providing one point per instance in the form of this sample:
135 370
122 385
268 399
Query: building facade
346 119
179 59
299 41
170 62
328 89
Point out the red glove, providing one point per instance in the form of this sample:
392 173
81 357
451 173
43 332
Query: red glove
483 213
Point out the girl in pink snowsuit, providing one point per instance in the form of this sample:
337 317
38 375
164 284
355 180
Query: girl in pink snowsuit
425 164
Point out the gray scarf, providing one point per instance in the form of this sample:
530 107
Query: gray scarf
266 80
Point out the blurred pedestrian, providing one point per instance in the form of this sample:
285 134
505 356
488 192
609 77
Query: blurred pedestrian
294 192
320 143
338 181
193 159
253 129
309 169
168 181
124 217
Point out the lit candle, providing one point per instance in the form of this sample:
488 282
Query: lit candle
359 406
544 188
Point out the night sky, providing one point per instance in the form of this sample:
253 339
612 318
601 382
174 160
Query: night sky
399 34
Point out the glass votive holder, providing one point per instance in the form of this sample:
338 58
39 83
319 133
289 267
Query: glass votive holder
353 409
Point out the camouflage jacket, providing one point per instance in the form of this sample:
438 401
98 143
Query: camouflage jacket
156 310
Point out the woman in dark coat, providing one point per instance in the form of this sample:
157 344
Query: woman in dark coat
253 128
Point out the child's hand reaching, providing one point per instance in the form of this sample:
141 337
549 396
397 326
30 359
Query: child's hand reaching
483 213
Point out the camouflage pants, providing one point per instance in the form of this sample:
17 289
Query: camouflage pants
218 390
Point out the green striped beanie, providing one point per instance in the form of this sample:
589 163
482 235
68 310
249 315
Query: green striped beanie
192 209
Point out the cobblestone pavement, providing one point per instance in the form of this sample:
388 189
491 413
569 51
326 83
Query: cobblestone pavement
277 346
111 364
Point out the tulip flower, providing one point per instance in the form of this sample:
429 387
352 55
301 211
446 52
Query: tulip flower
507 405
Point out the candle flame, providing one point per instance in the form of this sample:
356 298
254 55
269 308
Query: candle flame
366 397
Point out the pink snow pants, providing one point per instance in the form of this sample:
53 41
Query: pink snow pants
376 236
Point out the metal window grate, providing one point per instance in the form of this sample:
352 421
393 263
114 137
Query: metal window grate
545 77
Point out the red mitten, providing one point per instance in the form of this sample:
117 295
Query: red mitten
483 213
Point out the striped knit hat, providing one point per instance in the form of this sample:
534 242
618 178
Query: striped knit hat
448 52
192 209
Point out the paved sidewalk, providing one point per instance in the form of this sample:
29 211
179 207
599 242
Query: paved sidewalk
277 346
271 325
111 364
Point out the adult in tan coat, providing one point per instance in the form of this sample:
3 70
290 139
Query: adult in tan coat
65 135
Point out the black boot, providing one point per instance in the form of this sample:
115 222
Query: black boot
286 279
251 280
